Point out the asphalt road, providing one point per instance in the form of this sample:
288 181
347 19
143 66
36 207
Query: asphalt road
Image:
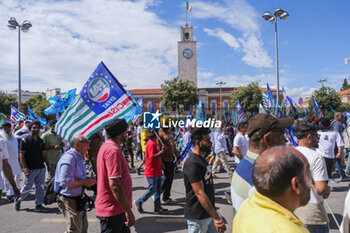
29 221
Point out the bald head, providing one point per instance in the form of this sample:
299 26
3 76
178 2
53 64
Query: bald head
275 168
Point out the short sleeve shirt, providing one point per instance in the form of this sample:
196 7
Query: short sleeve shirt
33 152
243 145
3 155
196 168
328 141
153 167
111 164
52 139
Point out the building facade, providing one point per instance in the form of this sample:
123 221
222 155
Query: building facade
26 95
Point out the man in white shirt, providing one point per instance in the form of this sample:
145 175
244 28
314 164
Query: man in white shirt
313 215
327 142
220 151
240 143
12 149
6 168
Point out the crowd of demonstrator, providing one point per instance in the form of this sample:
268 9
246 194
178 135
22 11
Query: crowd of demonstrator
275 186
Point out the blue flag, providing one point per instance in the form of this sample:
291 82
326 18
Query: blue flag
200 113
59 102
151 107
32 116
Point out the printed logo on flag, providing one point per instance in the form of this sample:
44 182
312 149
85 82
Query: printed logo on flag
102 91
151 120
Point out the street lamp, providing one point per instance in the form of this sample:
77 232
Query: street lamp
25 26
322 80
221 83
279 13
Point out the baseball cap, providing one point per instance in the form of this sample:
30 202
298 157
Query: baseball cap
261 124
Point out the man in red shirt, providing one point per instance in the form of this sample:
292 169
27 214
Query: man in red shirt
114 187
153 173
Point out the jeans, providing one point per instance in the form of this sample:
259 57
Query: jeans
37 177
318 228
114 224
205 225
329 166
168 181
154 188
340 170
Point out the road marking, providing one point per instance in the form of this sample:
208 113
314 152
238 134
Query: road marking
62 220
171 220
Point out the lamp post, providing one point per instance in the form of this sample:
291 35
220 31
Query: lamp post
25 26
221 83
322 80
279 13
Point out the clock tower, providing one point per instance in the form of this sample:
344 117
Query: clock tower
187 55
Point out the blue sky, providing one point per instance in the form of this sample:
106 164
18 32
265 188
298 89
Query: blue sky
137 40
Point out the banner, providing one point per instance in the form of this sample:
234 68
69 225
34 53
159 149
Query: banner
101 99
59 102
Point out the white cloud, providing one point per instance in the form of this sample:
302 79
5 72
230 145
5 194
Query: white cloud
226 37
240 16
69 38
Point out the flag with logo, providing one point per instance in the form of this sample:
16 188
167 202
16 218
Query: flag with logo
240 113
16 115
101 99
318 112
33 117
59 102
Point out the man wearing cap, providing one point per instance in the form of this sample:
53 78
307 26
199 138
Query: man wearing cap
114 186
53 146
282 181
264 131
313 215
153 173
70 181
12 149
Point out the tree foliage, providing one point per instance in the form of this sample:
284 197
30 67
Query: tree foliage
345 85
250 97
325 97
6 101
179 95
38 104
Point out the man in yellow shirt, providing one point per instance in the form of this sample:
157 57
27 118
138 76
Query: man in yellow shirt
282 179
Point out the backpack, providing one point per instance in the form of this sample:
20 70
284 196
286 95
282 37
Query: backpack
50 196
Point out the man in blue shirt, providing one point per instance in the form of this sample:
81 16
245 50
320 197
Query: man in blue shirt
70 179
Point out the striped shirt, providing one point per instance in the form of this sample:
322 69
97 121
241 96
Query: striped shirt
242 182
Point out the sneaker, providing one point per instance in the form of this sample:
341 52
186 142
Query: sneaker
169 202
160 210
138 170
17 205
345 178
10 198
228 197
138 206
40 208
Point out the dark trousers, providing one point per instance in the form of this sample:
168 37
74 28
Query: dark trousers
168 181
114 224
139 151
329 166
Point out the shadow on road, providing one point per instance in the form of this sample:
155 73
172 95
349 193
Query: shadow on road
158 224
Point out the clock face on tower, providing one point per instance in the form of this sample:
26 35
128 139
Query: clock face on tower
187 53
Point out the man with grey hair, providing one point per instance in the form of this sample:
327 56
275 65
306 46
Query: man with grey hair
282 180
70 180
